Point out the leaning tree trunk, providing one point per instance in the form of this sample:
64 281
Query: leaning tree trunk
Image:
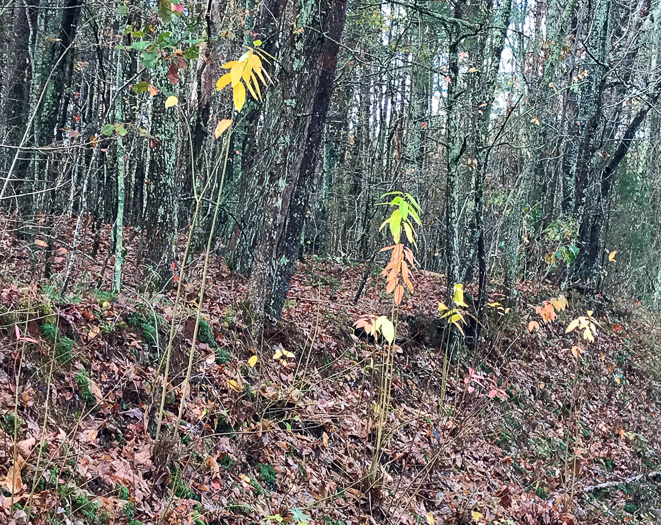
299 206
291 131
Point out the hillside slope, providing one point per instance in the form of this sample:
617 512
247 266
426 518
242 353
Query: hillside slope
522 427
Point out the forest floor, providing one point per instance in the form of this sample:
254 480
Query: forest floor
287 437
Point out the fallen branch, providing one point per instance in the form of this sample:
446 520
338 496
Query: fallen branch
649 476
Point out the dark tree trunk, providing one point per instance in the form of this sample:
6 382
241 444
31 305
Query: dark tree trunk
290 133
299 207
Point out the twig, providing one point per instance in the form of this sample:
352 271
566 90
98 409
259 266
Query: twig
650 476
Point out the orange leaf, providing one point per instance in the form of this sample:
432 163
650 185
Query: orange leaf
399 294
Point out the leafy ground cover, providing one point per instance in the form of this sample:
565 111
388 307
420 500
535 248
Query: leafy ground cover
526 424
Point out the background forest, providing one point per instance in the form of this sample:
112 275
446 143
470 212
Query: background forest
198 200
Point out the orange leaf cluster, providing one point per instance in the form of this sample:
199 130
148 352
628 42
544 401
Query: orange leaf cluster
397 271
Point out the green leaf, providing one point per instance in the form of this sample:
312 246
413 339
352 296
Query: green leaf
149 59
192 53
403 209
108 129
141 87
121 130
409 232
415 216
413 201
142 45
396 225
300 517
164 10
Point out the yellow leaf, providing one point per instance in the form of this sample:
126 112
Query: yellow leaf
171 101
442 307
576 351
257 66
253 361
572 326
385 326
473 70
230 65
611 256
477 516
560 303
459 295
289 354
223 81
222 127
233 385
533 325
618 380
277 355
236 73
430 518
535 121
239 96
256 82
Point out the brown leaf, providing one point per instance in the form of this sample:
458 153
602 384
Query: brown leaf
25 447
12 481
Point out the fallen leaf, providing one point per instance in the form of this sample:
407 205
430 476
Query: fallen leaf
171 101
12 481
222 127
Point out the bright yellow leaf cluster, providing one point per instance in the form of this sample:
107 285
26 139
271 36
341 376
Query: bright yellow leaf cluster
247 72
455 315
587 323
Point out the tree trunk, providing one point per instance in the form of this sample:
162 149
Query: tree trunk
288 117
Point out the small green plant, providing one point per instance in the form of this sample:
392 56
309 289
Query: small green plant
228 317
268 474
122 492
223 356
83 380
239 508
149 324
205 334
129 512
9 421
63 344
104 296
181 488
227 462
